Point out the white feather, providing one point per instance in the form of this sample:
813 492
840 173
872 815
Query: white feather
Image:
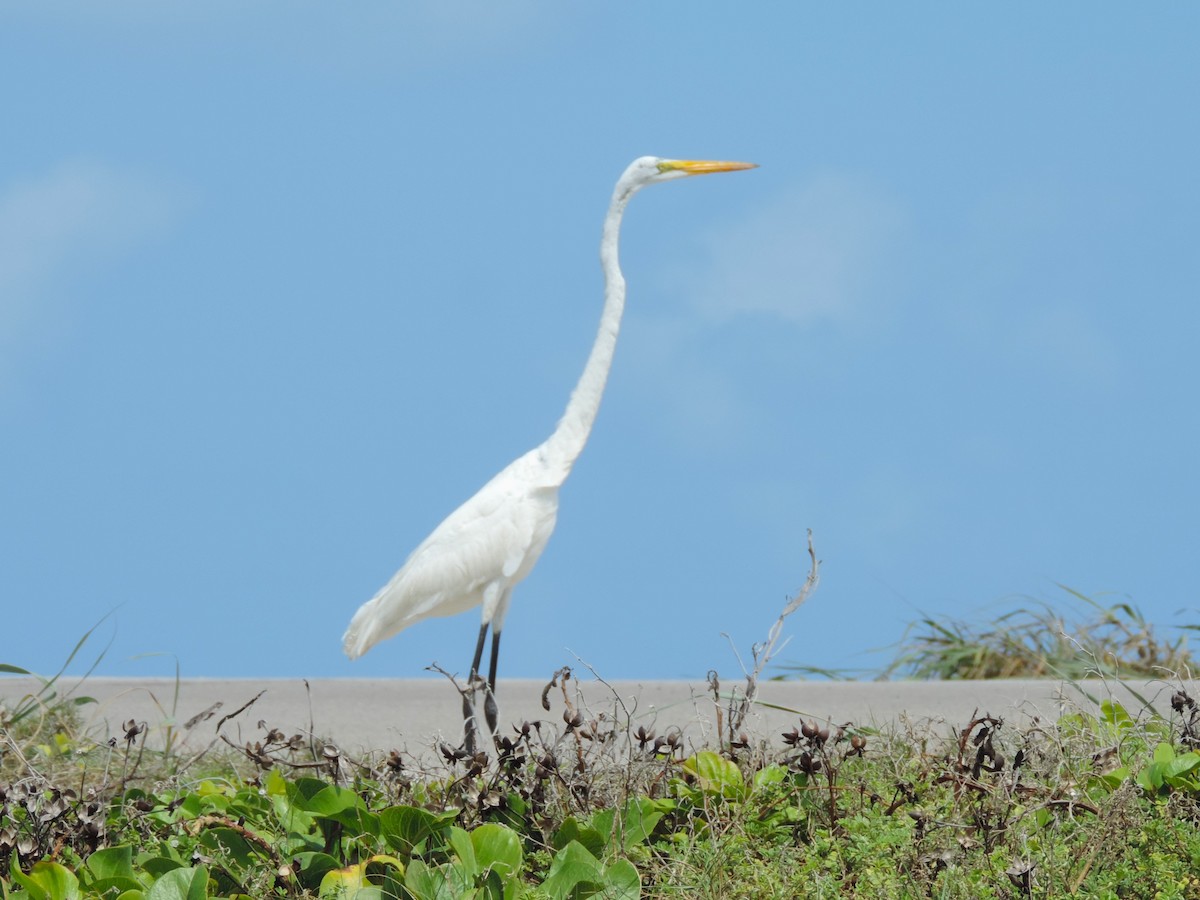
491 542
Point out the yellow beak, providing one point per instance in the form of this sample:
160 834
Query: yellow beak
703 166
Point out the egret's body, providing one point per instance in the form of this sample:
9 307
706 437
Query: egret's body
491 542
474 557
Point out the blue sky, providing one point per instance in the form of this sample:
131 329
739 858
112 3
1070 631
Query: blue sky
281 284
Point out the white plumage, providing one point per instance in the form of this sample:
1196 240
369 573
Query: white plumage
491 542
474 557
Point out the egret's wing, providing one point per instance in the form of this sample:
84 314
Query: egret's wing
495 537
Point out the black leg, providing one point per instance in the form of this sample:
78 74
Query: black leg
490 709
483 630
470 722
495 656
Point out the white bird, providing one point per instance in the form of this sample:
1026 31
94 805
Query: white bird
491 542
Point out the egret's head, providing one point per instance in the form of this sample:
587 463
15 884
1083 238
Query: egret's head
652 169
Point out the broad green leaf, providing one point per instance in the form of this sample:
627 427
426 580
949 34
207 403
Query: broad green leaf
55 881
574 830
604 821
108 887
208 788
1181 764
231 845
111 862
276 784
404 828
464 849
425 883
499 849
158 866
622 881
639 818
715 774
769 775
351 883
32 891
627 827
383 862
343 883
332 800
1150 778
572 867
181 884
302 789
1114 714
313 866
1114 779
1164 753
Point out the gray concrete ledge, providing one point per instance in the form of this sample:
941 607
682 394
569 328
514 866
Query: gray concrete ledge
364 714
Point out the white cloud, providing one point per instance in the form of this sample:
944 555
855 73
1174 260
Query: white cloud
61 223
816 253
687 399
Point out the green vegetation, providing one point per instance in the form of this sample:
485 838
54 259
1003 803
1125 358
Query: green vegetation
1039 642
1103 803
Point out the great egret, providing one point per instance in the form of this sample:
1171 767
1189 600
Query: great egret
487 545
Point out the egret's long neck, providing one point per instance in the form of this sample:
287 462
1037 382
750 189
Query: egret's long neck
564 446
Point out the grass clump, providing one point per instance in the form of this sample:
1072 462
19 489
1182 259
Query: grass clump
1040 642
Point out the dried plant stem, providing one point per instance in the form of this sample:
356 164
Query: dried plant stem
739 707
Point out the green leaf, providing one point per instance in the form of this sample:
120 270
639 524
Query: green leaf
342 805
464 849
51 881
1150 778
111 862
639 818
605 822
405 828
181 884
769 775
331 800
232 845
573 866
1114 714
574 830
425 883
109 887
351 883
1114 779
313 866
302 789
622 881
1180 765
497 849
716 775
158 866
343 883
1164 753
